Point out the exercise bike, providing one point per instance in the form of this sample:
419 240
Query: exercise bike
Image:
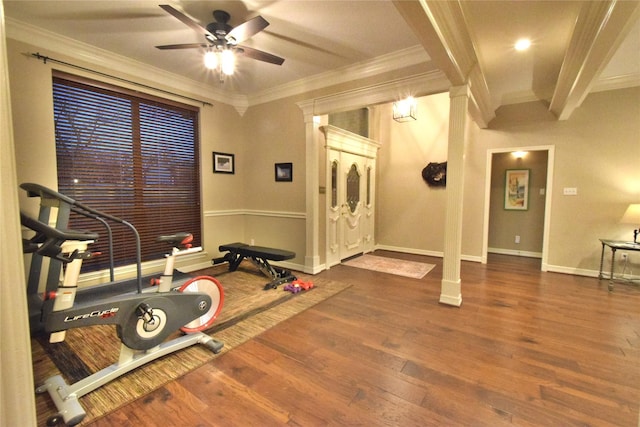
144 318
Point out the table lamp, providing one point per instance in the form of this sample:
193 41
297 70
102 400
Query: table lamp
632 216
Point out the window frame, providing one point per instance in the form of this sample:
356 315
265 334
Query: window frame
157 154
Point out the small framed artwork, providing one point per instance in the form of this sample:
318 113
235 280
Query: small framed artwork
516 193
284 172
223 163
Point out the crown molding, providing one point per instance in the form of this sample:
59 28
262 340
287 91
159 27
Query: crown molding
616 82
601 85
393 61
349 142
100 58
518 97
600 29
417 85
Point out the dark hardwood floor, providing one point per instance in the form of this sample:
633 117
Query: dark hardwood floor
526 348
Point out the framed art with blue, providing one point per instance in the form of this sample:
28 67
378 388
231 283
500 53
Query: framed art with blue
516 192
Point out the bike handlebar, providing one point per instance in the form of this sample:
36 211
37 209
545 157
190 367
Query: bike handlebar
50 197
48 240
37 190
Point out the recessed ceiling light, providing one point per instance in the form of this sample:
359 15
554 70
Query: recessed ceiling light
523 44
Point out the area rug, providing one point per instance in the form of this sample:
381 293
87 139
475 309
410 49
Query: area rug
247 312
399 267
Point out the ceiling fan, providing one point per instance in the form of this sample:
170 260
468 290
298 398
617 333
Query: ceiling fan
220 36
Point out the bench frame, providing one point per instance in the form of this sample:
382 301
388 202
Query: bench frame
260 257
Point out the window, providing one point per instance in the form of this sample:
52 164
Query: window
334 184
353 188
132 156
369 186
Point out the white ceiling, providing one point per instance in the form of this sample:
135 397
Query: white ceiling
317 38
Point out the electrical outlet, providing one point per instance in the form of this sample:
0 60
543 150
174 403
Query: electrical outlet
517 239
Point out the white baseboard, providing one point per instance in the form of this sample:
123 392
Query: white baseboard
514 252
312 270
436 254
409 250
571 270
290 265
591 273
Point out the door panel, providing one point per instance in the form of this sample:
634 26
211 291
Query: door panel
353 183
334 209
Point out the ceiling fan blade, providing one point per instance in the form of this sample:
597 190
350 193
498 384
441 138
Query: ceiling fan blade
187 21
182 46
259 55
247 29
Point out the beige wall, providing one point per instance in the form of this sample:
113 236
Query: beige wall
409 213
596 151
222 195
274 134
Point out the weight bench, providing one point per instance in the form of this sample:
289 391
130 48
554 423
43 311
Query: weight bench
260 256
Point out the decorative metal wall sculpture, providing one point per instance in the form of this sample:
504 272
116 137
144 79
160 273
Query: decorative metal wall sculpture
435 174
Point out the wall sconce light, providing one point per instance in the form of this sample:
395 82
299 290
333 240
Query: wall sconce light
632 216
519 154
405 110
223 60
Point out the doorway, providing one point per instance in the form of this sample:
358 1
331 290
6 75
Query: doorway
523 231
350 207
350 204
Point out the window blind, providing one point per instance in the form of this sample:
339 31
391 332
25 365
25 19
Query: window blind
130 156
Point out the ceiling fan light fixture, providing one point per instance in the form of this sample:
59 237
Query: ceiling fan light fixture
211 60
222 40
227 62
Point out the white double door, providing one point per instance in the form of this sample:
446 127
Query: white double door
350 209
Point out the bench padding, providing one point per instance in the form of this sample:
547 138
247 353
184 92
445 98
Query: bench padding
258 251
260 256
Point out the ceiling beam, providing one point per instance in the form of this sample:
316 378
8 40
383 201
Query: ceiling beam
600 29
442 30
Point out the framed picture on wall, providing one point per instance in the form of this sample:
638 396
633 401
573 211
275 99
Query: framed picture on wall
223 163
284 172
516 191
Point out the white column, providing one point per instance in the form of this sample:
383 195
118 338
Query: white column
312 177
450 292
17 406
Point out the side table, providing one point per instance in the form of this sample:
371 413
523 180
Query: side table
614 245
